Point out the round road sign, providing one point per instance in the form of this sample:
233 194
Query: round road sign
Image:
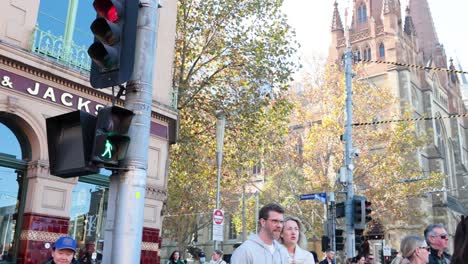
218 217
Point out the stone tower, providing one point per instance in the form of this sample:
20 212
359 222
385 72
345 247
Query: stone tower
379 31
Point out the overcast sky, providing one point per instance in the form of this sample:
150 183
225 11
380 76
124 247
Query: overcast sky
312 21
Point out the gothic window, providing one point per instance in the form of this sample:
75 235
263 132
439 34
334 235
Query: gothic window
359 15
364 13
232 228
357 55
382 50
369 56
257 169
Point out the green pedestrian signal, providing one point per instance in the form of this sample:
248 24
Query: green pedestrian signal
108 151
110 138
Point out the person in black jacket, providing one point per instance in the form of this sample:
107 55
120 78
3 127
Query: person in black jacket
175 258
329 257
437 238
460 251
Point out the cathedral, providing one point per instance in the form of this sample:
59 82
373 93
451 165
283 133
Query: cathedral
380 32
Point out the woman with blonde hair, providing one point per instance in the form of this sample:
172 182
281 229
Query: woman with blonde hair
290 235
413 250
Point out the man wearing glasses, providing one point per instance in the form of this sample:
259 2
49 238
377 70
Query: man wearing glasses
437 238
262 248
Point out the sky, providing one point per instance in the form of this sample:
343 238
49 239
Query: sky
312 21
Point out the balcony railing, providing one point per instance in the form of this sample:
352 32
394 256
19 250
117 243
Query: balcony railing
53 47
73 56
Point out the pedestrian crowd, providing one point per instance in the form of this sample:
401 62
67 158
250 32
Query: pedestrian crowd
278 242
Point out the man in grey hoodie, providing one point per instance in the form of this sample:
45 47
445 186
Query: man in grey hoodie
262 248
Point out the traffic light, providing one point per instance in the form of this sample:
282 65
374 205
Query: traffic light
110 138
367 211
339 239
70 140
359 239
358 214
325 243
361 212
113 50
340 210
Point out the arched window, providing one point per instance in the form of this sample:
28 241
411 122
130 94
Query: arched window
369 56
364 13
357 55
382 50
365 54
359 15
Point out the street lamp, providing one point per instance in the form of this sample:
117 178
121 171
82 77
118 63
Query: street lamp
220 124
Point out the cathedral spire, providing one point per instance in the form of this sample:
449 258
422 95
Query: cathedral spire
336 22
424 26
409 25
389 6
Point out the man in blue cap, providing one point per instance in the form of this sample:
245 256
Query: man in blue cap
63 251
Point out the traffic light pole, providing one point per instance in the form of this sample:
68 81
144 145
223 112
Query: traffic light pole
124 225
350 243
333 221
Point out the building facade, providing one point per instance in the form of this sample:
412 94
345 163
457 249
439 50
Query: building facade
380 32
44 72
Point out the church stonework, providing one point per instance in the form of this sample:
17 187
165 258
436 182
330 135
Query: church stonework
379 32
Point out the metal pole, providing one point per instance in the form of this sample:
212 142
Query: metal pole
332 220
220 124
350 243
256 211
243 214
128 186
69 27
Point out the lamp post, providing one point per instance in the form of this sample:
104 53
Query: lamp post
220 124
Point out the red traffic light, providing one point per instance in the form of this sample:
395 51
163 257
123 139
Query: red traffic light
108 9
113 50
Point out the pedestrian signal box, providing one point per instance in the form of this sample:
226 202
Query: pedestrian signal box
70 142
110 138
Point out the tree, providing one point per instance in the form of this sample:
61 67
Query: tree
387 151
234 56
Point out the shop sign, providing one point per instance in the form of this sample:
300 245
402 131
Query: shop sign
21 84
54 95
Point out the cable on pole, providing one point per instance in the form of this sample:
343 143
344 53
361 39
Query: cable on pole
409 119
414 66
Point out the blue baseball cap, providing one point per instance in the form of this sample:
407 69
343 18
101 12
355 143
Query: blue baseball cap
65 242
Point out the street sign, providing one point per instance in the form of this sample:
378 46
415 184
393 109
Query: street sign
321 197
218 225
387 250
218 217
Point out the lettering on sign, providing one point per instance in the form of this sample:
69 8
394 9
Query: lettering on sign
51 94
21 84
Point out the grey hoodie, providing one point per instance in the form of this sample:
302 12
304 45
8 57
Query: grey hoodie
255 251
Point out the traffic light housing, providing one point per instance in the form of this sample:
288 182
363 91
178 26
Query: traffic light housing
340 210
70 140
359 239
113 50
339 239
367 211
325 243
361 212
110 138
